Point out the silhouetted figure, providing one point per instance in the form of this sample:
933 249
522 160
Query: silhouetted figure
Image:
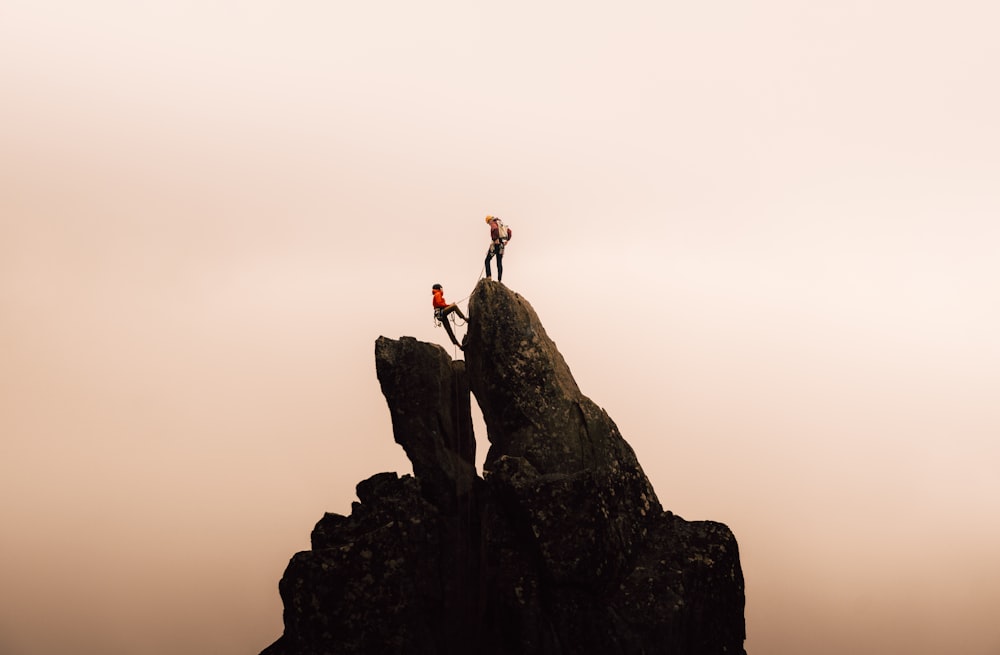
500 234
441 311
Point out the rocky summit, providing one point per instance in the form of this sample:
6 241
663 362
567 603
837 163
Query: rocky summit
560 548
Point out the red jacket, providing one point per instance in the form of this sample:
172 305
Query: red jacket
439 300
495 231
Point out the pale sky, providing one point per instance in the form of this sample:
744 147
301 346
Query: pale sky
763 234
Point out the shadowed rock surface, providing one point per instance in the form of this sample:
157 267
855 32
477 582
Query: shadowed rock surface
561 548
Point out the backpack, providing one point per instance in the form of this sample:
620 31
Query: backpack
501 230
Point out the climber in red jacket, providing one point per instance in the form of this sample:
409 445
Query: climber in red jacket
441 311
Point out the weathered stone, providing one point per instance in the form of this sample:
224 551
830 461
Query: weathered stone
562 548
428 397
567 469
393 577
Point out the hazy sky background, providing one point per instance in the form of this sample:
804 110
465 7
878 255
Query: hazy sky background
763 234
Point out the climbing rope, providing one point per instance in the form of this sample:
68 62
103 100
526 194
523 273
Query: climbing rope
478 277
454 319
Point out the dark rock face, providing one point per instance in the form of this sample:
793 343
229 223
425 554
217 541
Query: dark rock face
561 548
428 396
554 452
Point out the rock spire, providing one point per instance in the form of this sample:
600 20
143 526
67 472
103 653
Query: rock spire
561 548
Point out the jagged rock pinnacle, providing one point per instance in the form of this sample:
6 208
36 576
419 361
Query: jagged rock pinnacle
428 397
561 548
550 443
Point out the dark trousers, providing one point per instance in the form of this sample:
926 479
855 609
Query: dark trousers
442 315
495 249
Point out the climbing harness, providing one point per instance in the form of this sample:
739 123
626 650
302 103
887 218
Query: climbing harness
454 319
437 310
451 315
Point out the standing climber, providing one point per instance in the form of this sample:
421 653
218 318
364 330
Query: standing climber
441 311
500 234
